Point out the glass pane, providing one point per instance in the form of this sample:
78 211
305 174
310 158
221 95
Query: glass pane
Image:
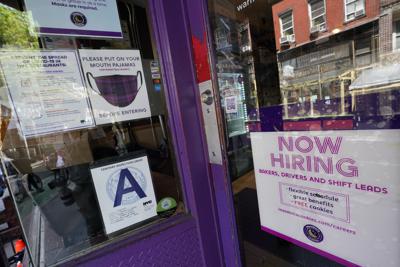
360 5
334 89
350 17
319 21
288 24
397 44
351 8
317 6
318 12
85 141
288 32
286 20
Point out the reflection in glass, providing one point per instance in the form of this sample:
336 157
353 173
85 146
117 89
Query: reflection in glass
304 67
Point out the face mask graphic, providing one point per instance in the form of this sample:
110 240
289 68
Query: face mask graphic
118 90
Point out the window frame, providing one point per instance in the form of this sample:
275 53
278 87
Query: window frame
287 13
310 2
395 34
346 14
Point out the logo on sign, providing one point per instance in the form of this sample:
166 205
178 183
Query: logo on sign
78 19
147 203
313 233
126 186
166 204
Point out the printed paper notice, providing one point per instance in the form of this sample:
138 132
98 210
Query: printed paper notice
47 91
125 193
231 104
116 85
335 193
94 18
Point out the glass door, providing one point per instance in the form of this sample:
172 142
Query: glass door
310 102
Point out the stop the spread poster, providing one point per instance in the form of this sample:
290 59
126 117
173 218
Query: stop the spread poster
47 91
94 18
334 193
116 85
125 193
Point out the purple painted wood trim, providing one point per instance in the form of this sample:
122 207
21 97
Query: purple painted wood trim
226 215
199 24
174 41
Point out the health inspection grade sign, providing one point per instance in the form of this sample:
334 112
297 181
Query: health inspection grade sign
334 193
125 192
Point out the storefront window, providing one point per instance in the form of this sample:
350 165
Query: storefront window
319 159
85 142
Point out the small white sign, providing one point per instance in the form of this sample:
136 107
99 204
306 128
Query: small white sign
116 85
231 104
334 193
94 18
125 193
210 122
47 91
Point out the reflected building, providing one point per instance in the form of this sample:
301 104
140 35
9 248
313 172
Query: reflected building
375 93
320 55
389 27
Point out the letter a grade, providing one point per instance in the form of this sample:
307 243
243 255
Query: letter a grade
121 190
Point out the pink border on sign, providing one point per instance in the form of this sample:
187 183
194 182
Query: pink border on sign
310 248
346 197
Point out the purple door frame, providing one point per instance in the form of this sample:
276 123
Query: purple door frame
202 34
187 240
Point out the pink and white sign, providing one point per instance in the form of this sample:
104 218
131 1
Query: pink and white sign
334 193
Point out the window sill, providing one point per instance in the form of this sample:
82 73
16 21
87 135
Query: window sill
318 34
351 20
